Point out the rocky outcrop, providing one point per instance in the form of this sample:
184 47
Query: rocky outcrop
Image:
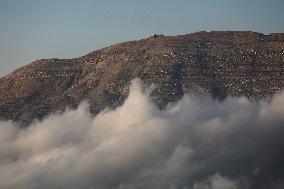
219 63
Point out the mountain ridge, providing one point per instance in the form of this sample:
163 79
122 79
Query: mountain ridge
222 63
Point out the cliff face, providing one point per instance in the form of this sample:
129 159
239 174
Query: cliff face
220 63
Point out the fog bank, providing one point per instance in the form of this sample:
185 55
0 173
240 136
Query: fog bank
196 144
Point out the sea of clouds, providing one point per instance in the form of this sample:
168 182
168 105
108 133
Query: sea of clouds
197 143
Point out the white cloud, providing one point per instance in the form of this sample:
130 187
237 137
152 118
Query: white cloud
199 143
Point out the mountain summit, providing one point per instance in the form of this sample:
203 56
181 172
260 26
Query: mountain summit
218 63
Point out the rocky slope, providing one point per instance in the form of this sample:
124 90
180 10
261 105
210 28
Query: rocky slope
220 63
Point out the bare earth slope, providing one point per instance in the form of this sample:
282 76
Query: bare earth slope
220 63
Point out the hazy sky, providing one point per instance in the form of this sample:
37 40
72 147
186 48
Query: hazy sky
33 29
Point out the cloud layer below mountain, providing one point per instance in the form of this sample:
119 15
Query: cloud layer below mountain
196 144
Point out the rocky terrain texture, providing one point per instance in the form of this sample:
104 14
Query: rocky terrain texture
220 63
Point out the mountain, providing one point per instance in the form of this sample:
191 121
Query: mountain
218 63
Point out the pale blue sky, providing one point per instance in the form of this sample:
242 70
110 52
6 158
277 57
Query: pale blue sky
34 29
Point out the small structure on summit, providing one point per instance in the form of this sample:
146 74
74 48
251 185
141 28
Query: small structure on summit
157 35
